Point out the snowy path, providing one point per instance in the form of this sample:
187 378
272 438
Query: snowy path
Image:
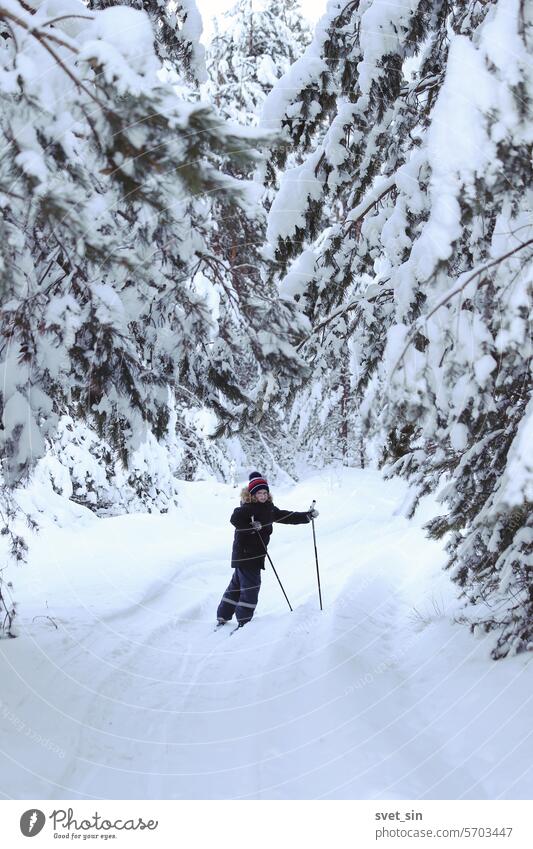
135 696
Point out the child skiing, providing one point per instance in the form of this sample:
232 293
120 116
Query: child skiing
253 522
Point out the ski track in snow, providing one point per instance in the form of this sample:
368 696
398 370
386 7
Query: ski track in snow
136 696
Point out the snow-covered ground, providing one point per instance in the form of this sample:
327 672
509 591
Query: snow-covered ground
133 695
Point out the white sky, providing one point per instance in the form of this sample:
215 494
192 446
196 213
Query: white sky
311 9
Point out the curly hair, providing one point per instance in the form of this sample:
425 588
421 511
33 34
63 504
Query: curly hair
246 498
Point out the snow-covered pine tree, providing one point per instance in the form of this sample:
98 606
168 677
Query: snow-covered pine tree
300 107
84 467
104 189
254 44
99 248
425 278
176 29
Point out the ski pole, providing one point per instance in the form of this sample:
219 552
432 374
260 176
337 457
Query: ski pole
316 556
273 567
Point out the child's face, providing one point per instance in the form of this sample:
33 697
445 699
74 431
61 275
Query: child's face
261 495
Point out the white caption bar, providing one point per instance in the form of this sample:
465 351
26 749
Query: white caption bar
267 824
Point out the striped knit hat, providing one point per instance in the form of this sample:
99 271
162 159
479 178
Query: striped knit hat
256 482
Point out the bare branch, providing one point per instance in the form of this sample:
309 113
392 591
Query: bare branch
43 38
67 17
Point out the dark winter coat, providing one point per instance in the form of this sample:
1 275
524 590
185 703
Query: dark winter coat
248 549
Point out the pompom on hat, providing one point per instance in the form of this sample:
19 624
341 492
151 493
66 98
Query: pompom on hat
257 482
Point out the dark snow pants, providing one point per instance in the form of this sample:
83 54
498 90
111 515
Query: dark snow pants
241 595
